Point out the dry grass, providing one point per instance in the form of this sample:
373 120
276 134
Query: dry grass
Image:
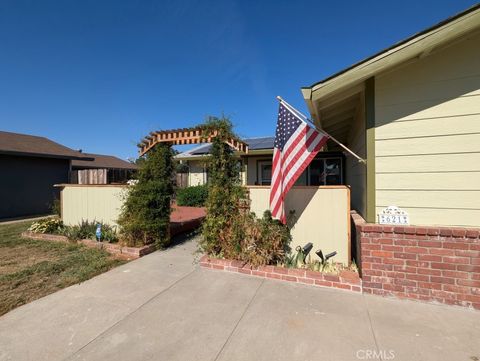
30 269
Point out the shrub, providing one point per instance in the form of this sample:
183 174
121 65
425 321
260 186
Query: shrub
262 241
56 207
194 196
47 225
87 230
145 214
228 232
224 191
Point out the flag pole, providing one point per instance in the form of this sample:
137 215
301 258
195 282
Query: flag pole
306 119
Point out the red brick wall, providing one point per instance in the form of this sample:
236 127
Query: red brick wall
425 263
346 280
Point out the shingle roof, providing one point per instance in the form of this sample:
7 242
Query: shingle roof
103 161
31 145
253 144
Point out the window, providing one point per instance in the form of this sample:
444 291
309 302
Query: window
325 171
264 172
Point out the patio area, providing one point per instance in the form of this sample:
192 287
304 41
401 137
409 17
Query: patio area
163 306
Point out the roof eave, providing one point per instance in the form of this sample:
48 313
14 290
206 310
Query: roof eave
412 47
45 155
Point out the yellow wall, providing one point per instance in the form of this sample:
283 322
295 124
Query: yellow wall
427 136
322 216
355 172
91 202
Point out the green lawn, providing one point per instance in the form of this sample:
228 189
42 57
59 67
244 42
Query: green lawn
30 269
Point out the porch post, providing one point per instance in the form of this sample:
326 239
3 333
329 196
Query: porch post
370 148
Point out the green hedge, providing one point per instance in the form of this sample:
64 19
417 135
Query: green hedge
192 196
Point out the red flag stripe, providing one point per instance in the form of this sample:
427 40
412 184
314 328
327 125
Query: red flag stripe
295 168
305 164
291 145
314 140
291 162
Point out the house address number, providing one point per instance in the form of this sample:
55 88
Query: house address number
393 215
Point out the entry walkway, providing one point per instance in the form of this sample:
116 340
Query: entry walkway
164 307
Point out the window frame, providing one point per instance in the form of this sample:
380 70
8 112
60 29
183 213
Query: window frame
258 164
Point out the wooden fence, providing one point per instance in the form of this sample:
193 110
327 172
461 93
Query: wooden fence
89 176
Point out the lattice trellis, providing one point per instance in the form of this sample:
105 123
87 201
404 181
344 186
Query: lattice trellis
185 136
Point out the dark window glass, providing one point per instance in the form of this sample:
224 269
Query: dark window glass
333 173
316 172
266 174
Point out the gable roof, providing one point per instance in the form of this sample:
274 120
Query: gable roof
103 161
31 145
417 45
256 143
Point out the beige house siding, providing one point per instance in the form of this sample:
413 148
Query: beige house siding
354 170
427 136
322 217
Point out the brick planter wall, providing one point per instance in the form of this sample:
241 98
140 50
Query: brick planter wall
425 263
346 280
113 248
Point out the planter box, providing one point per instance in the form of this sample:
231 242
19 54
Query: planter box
112 248
346 280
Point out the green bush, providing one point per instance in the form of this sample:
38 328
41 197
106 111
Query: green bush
56 207
228 232
194 196
87 230
261 241
47 225
145 214
224 190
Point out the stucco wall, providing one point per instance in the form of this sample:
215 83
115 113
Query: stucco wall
322 216
91 202
26 184
427 136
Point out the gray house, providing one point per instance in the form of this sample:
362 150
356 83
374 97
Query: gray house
29 167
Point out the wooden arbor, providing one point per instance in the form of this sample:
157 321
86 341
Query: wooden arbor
185 136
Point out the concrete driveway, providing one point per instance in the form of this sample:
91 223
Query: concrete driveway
164 307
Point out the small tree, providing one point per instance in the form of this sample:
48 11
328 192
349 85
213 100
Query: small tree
145 214
224 190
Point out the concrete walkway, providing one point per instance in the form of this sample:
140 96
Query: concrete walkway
164 307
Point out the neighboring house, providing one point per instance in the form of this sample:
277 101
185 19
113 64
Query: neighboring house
30 166
103 169
413 111
256 166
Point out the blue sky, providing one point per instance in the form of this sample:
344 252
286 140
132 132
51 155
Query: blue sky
99 75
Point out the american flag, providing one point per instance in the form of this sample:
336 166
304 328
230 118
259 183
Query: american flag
296 144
